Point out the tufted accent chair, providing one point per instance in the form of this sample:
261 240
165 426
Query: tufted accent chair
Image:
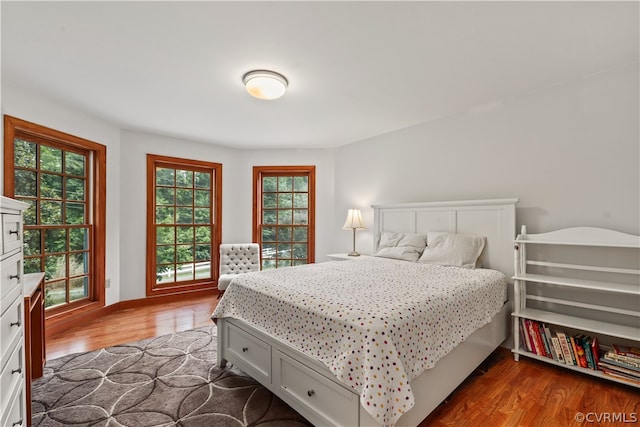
237 258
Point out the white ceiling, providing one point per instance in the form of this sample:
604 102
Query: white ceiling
355 69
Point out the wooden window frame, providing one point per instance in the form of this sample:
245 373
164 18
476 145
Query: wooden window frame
152 289
14 127
310 172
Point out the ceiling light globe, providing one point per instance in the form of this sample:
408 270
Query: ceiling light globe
264 84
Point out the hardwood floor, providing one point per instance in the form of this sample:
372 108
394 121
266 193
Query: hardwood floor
509 393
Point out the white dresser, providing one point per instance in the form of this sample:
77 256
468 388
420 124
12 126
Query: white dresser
13 405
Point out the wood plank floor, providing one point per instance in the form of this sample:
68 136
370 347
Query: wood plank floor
509 393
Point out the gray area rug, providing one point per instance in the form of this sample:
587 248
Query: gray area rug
170 380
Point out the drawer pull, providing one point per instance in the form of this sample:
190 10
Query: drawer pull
16 232
16 371
17 423
310 393
14 276
17 323
245 349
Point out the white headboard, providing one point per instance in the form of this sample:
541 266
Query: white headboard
495 219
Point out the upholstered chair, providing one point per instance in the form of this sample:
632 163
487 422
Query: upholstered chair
237 258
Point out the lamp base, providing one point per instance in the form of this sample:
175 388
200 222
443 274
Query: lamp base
353 253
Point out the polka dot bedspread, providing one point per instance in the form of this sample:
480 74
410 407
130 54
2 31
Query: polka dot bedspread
376 323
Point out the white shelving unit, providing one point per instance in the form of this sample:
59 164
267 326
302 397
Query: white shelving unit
534 296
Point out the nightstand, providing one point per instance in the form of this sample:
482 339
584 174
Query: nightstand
344 257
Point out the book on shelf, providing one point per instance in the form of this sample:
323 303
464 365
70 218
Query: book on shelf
627 351
619 363
633 361
564 343
620 374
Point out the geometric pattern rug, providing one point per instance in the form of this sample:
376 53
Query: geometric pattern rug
172 380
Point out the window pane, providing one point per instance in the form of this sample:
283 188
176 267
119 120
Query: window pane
25 183
165 176
50 159
79 263
55 267
299 234
185 234
55 293
165 254
284 250
203 180
75 213
203 198
269 216
203 234
270 184
268 234
284 217
203 252
203 270
24 154
268 251
75 189
31 242
78 288
300 216
50 213
165 274
301 183
284 263
51 186
285 183
32 265
74 163
269 200
285 200
268 264
284 234
184 178
30 215
299 251
184 197
165 235
184 216
165 196
165 216
202 215
184 272
55 240
78 239
184 253
300 200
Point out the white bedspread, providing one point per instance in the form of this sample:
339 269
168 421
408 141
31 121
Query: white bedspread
375 323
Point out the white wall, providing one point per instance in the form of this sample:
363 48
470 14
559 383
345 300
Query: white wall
27 105
570 153
237 188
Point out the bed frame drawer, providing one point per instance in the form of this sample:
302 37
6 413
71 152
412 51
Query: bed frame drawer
248 353
307 389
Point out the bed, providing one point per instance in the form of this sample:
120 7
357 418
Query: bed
337 360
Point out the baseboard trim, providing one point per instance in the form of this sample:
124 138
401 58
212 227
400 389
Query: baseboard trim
54 326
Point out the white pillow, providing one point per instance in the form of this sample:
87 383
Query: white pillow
403 246
444 248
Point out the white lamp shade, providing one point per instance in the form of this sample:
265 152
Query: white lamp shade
354 220
265 84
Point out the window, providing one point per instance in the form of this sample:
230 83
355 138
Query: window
62 178
183 224
284 214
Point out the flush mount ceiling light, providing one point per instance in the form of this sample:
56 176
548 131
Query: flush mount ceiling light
265 84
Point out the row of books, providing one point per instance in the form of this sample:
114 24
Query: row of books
577 350
622 362
580 350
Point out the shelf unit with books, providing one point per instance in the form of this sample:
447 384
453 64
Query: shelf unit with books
562 292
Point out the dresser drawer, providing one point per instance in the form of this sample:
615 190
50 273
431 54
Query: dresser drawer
11 377
10 330
10 276
11 232
15 415
305 388
249 353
